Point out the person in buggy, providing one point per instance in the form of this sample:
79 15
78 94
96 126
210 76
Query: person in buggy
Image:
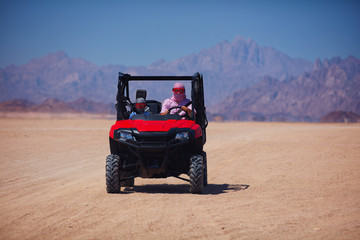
140 108
178 99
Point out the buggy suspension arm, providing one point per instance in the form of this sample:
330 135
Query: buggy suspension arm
186 180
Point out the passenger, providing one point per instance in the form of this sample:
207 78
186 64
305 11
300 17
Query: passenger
178 99
140 107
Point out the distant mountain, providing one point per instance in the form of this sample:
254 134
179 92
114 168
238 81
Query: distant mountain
53 105
227 67
234 65
340 117
85 105
243 81
16 105
332 85
58 76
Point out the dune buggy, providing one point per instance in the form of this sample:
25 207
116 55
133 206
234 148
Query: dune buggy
154 145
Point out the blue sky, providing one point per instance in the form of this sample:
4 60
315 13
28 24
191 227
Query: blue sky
134 32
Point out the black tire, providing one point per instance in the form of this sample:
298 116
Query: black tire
112 173
205 169
196 174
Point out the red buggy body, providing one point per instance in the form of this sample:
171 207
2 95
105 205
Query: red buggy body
154 145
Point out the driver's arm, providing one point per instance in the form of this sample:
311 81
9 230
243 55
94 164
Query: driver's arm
187 110
165 106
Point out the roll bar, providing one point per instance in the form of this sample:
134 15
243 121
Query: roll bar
197 95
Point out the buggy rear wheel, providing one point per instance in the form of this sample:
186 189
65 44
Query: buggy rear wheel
112 173
196 174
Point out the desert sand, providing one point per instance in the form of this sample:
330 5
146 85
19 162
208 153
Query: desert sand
266 181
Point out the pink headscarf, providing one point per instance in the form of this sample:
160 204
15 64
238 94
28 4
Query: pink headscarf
178 97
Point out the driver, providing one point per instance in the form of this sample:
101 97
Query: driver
178 99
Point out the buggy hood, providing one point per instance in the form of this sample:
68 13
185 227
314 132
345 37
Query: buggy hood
156 126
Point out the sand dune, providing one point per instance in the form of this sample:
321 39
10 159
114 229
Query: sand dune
266 181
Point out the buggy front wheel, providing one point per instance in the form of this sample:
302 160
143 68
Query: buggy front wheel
196 174
112 173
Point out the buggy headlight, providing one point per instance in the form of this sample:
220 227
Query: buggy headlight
126 136
182 136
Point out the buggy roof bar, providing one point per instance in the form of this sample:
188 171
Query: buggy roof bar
156 78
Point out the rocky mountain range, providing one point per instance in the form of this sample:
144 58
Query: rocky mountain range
332 85
340 117
243 81
53 105
58 76
226 67
231 66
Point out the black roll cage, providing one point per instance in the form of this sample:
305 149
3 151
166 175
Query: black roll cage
197 95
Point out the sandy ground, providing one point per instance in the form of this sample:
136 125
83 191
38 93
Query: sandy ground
266 181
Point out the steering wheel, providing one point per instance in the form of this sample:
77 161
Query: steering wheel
178 113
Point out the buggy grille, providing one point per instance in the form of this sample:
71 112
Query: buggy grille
153 159
153 138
